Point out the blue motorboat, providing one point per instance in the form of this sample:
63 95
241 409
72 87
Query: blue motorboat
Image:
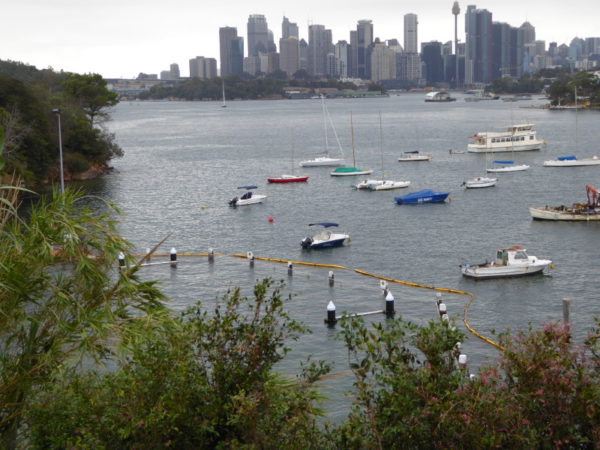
424 196
324 238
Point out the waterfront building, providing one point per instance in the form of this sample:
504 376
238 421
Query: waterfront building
203 68
479 36
411 37
258 35
174 70
231 51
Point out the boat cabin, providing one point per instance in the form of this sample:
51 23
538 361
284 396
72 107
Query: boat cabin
511 255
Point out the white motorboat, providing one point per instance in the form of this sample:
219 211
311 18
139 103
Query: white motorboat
324 238
415 156
439 97
510 262
507 166
578 212
249 198
325 160
517 138
480 182
381 185
572 161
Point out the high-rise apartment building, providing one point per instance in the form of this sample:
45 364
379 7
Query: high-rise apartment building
258 35
231 51
479 34
411 38
364 36
383 62
203 68
342 58
174 69
431 55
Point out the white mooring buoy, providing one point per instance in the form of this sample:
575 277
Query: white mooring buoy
211 255
250 257
173 257
290 267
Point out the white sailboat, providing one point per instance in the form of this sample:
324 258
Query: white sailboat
383 184
350 171
223 89
480 182
326 160
573 161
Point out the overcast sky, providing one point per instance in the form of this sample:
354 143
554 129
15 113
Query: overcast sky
121 38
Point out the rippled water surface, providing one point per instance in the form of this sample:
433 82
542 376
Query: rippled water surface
183 162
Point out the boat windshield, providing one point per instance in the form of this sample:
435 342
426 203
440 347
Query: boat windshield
520 255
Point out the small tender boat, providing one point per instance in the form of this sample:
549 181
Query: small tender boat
580 212
249 198
324 238
480 182
510 262
424 196
288 179
572 161
415 156
507 166
517 138
381 185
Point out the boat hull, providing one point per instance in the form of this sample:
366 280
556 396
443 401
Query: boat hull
486 271
322 162
415 158
508 169
479 183
256 198
350 172
288 179
417 198
566 214
594 161
382 185
476 148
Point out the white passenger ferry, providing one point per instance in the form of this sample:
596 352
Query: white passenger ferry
517 138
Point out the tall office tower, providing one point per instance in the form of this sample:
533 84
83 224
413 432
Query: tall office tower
503 50
230 56
411 39
526 36
174 69
210 68
236 56
258 35
383 62
456 12
342 57
197 67
364 34
319 45
289 55
409 67
331 66
289 29
353 53
478 57
592 46
271 47
431 55
303 55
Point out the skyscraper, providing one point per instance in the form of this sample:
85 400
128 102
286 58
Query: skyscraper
383 62
364 35
479 34
411 39
289 55
229 50
319 45
431 55
289 29
258 35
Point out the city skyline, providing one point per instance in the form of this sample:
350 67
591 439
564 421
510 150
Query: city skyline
121 40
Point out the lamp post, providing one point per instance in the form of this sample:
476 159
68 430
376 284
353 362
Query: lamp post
60 152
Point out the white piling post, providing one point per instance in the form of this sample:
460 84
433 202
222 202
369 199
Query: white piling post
331 320
290 268
462 360
250 257
442 309
389 304
331 278
121 260
211 255
173 257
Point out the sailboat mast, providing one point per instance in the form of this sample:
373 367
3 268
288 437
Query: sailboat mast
381 144
325 126
352 133
576 121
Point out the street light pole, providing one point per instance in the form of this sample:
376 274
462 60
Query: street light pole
60 152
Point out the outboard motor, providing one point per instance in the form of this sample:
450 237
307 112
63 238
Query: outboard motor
233 201
306 242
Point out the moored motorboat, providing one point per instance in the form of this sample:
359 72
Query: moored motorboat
480 182
423 196
439 97
578 212
414 156
249 198
324 238
382 185
510 262
517 138
572 161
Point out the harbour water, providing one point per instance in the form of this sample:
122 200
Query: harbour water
184 160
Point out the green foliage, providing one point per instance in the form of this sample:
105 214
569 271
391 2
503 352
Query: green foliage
196 381
60 301
27 98
587 85
525 84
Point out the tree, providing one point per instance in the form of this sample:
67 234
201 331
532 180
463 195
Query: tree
60 301
90 92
